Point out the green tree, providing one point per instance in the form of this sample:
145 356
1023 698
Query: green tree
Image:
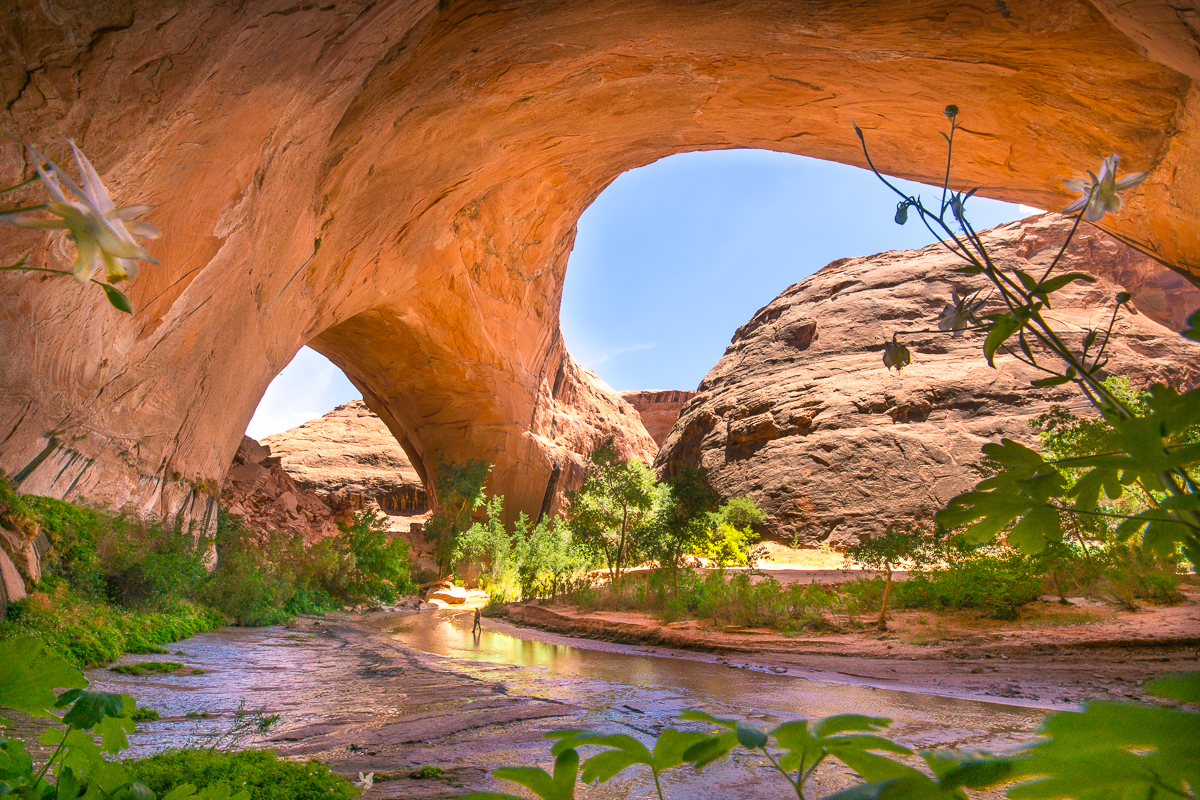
894 550
733 536
684 523
459 491
379 567
531 560
612 511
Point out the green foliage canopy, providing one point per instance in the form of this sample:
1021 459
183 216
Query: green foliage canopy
612 511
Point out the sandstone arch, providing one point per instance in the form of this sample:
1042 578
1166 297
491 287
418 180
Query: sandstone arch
397 184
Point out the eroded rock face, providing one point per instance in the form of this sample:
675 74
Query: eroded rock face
396 183
658 410
801 415
351 454
258 490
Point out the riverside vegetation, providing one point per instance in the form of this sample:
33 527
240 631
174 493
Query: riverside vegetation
114 584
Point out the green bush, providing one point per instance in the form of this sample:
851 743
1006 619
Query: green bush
117 557
256 573
90 632
266 577
719 599
265 775
996 581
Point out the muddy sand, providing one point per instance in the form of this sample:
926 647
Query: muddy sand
1054 656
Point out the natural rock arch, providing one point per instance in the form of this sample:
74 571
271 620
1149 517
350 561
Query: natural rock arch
397 183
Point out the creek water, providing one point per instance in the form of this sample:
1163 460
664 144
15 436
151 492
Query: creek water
656 681
399 690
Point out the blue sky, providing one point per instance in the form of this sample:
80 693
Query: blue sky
673 257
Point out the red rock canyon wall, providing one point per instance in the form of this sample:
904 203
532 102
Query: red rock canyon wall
396 183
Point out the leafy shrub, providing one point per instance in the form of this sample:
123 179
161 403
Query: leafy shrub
377 566
252 582
90 632
719 599
531 561
996 581
117 557
262 773
266 577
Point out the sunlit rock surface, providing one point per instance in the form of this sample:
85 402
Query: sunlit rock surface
658 410
801 415
351 454
396 183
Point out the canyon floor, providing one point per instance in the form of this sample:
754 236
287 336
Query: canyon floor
390 692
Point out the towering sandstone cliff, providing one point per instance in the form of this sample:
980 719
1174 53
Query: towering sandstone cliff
396 183
802 416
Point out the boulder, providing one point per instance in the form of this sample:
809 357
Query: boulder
453 595
802 416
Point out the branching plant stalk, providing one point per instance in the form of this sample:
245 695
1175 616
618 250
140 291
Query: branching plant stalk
1024 306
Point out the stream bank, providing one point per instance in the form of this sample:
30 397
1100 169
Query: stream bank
391 692
1058 657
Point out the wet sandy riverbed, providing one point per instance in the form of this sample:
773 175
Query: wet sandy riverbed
392 692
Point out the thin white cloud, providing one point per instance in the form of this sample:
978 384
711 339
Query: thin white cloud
594 361
1029 211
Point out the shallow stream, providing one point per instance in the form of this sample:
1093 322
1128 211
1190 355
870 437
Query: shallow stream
393 692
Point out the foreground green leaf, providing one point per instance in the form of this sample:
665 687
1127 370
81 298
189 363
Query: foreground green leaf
29 674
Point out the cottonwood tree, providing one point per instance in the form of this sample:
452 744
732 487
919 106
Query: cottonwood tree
459 491
895 549
612 511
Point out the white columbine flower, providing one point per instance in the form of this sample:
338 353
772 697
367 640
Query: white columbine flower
1100 194
959 313
97 227
365 781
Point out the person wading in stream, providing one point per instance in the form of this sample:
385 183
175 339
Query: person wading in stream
478 626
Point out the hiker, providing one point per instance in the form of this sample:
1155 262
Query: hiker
478 626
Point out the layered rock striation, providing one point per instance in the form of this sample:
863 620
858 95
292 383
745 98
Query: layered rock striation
802 416
351 455
396 183
658 410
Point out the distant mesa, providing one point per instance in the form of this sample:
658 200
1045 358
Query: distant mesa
658 410
801 415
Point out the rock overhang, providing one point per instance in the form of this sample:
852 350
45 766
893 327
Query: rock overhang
397 185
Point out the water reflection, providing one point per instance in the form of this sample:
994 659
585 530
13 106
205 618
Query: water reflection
610 673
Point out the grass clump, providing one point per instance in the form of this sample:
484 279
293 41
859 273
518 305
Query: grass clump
144 715
142 667
261 772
